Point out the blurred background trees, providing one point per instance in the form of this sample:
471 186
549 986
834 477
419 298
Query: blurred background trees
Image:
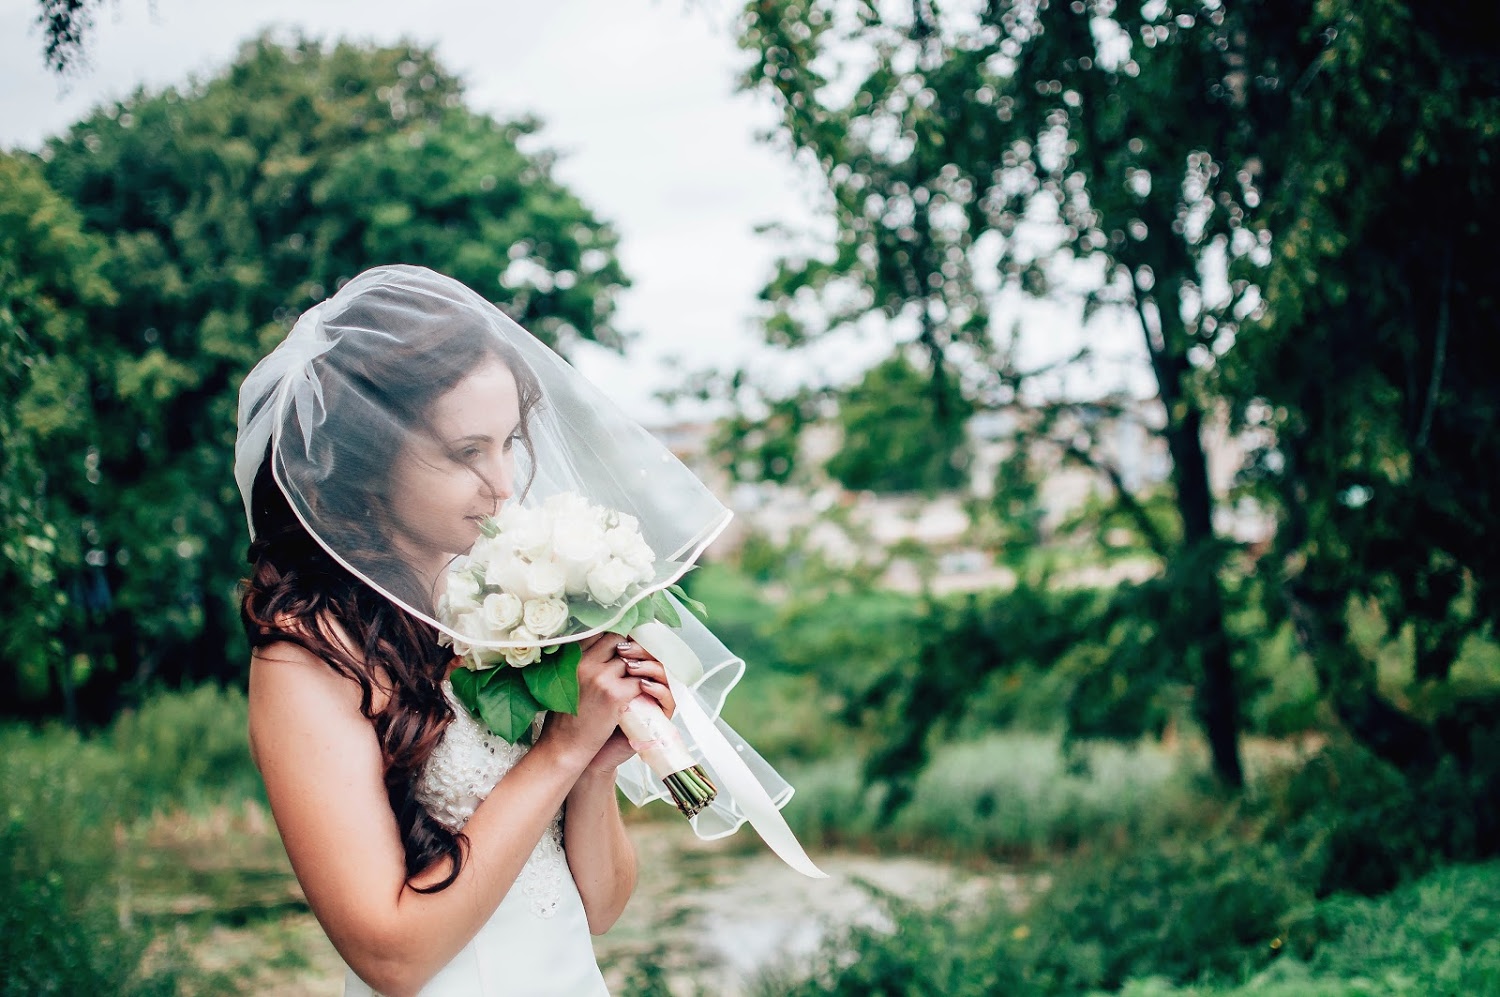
164 244
1287 202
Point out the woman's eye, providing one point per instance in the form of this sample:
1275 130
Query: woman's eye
470 454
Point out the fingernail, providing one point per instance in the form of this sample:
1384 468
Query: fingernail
632 665
624 645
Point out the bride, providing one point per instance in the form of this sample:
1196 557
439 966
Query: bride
438 858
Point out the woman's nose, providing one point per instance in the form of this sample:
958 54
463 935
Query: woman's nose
499 480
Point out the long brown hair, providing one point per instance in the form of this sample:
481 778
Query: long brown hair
297 592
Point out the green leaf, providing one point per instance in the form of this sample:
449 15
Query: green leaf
553 681
505 704
665 570
590 613
665 611
634 617
466 687
698 609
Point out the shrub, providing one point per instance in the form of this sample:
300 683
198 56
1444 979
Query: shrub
60 872
916 953
181 750
71 804
1362 827
1015 796
1437 936
1166 913
1179 909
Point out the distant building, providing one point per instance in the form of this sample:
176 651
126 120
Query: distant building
848 527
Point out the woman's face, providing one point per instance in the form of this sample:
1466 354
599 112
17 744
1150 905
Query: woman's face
443 485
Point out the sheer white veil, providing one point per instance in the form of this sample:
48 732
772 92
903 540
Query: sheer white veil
349 392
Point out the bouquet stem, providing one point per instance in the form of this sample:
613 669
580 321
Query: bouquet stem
692 790
652 735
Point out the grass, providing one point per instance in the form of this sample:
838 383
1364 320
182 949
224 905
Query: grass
1007 796
120 853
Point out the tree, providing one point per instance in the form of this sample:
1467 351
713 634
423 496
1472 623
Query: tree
1373 365
49 273
1012 144
227 208
1294 200
895 438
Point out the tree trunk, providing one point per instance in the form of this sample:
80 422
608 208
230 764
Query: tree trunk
1217 700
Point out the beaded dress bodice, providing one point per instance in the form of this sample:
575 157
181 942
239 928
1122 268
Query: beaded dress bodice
467 764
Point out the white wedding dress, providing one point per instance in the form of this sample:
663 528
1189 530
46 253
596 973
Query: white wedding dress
536 944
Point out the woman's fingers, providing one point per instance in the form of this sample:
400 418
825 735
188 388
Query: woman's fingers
653 680
600 648
646 668
662 693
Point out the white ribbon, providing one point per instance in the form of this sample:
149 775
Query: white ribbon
734 775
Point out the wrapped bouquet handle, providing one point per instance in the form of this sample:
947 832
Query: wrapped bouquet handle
683 667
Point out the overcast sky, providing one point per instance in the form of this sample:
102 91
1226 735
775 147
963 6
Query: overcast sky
637 95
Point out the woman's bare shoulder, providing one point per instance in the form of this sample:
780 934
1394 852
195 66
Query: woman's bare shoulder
289 679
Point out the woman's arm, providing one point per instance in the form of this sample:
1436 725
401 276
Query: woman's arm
323 770
599 852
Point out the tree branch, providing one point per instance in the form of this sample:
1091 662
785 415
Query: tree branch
1127 500
1440 353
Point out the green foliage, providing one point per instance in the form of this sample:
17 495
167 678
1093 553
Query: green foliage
903 431
49 271
185 229
500 697
1183 909
1360 826
48 947
1211 918
1439 935
1178 910
1011 796
916 952
62 866
1371 370
1014 141
554 679
187 749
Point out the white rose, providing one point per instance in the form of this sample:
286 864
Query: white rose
488 550
545 579
630 547
527 531
502 611
462 594
570 505
623 521
510 574
469 626
528 654
579 549
578 540
546 617
608 582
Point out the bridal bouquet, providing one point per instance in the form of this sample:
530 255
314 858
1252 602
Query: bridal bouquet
564 567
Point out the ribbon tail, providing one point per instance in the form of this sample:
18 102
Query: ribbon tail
734 775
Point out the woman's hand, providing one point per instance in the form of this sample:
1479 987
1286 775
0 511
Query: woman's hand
613 672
